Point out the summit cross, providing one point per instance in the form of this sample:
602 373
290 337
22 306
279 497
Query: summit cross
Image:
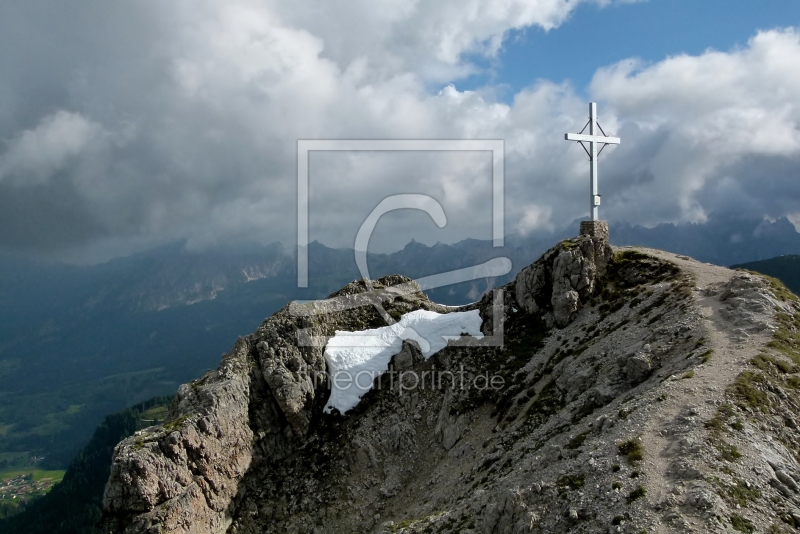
593 153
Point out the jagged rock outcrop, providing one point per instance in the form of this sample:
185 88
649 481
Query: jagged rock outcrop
634 390
182 476
563 278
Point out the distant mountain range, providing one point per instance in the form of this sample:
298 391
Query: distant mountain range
79 342
722 240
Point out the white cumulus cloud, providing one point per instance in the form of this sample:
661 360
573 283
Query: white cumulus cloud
181 119
697 124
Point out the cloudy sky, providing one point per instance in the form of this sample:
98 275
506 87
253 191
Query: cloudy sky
129 124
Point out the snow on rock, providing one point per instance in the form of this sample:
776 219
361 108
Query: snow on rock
356 358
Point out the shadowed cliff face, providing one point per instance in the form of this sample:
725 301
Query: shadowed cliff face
587 418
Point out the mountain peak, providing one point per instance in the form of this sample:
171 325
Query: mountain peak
414 244
630 386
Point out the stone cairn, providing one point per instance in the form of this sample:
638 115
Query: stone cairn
597 229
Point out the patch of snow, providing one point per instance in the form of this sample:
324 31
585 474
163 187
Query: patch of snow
356 358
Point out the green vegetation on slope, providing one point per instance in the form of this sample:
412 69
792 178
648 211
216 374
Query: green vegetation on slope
74 505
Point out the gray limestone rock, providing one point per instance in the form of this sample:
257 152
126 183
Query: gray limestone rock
565 304
408 357
187 471
638 367
564 278
449 426
290 381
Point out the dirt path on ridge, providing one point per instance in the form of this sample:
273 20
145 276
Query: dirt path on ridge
695 400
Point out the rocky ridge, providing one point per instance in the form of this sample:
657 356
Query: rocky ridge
642 391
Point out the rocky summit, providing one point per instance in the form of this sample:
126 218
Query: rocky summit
614 390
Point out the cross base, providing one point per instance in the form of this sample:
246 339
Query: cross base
598 229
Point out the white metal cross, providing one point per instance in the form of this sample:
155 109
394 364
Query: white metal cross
593 140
